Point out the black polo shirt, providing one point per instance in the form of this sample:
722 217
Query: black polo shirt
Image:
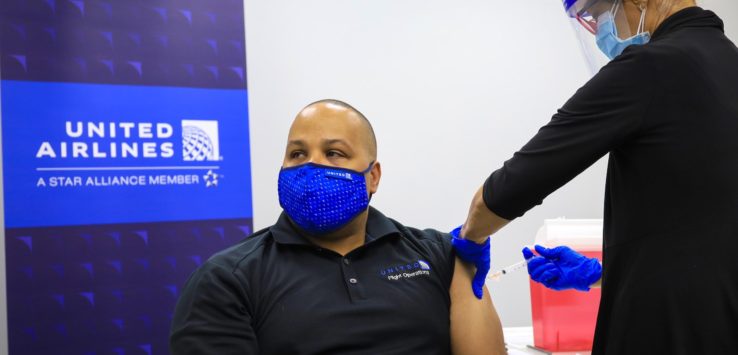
277 293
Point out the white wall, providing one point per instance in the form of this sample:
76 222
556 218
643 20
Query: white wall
728 11
452 88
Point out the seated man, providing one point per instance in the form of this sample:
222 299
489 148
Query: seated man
333 275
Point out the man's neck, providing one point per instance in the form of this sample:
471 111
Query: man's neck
346 239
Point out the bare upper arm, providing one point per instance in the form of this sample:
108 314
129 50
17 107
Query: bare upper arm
475 325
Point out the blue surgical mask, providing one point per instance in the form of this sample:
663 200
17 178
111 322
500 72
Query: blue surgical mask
607 34
322 199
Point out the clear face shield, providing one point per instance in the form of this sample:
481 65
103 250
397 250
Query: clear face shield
594 20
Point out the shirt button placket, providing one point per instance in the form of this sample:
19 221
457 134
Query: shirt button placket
349 271
354 288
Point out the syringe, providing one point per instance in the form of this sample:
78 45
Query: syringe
506 270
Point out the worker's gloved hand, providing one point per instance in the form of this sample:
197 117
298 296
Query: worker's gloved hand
562 268
473 253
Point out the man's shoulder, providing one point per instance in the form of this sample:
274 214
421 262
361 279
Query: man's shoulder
423 236
379 225
429 235
249 248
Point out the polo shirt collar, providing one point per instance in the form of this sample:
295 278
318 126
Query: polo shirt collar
378 226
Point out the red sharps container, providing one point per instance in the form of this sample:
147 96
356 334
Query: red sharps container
565 320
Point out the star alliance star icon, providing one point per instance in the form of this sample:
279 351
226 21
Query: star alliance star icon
211 179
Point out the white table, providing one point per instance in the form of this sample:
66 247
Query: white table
519 339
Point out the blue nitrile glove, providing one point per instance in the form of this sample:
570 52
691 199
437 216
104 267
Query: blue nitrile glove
562 268
473 253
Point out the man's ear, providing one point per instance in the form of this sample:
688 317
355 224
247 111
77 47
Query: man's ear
375 174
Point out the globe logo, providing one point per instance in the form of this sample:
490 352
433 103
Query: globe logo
423 265
196 144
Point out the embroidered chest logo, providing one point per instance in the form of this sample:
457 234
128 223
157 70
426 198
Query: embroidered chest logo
406 271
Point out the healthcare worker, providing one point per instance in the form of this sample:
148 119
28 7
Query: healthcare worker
666 110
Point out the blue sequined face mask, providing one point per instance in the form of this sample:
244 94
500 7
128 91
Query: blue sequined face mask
321 199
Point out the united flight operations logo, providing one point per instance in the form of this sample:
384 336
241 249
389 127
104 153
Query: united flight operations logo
130 154
406 270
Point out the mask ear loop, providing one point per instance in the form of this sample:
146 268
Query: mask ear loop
613 14
371 165
614 9
642 23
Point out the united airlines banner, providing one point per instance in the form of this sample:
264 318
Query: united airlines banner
125 164
119 153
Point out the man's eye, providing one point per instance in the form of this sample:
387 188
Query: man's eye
296 154
334 154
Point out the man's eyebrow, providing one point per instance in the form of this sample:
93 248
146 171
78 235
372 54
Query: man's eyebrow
335 141
296 142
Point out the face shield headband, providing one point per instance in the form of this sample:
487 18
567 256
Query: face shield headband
602 29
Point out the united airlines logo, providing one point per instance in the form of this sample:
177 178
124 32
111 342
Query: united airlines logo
110 140
339 175
101 140
406 271
108 154
200 140
423 265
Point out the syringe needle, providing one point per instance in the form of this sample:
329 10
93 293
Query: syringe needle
504 271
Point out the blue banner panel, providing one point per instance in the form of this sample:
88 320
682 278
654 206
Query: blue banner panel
99 154
110 289
137 42
126 164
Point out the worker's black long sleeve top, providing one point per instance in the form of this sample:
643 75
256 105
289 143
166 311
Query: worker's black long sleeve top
667 112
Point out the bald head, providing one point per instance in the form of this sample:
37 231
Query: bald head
333 133
332 106
327 124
